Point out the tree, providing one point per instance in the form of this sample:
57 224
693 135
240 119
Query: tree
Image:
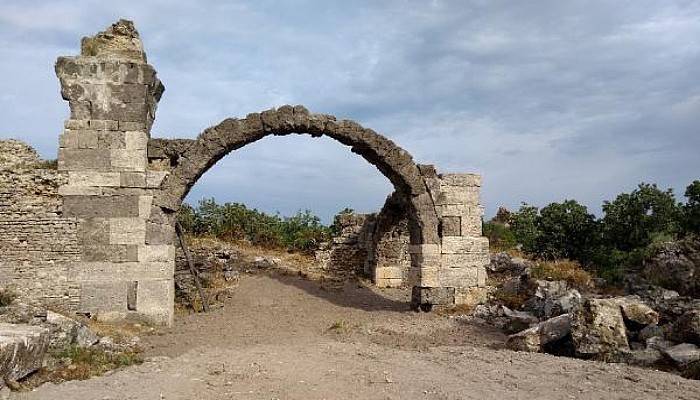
632 220
524 227
691 209
567 230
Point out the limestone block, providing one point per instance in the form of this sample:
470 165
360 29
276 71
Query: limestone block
472 296
127 231
83 159
425 249
100 206
429 276
67 190
464 180
481 276
159 233
103 124
459 277
110 252
155 178
464 260
457 195
122 271
464 244
128 159
471 225
103 296
389 283
156 253
131 126
22 349
155 300
388 273
78 139
145 206
451 226
136 140
132 179
76 124
432 296
93 178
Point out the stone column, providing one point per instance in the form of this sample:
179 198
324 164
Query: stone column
113 94
464 251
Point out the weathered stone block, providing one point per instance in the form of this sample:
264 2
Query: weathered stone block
136 140
128 159
429 296
159 234
459 277
127 231
156 299
93 178
155 178
78 139
97 297
66 190
457 195
100 206
451 226
132 179
156 253
464 244
22 349
83 159
388 273
464 180
145 206
110 252
464 260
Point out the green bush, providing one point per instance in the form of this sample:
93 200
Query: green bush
524 224
633 219
500 236
566 230
691 209
236 222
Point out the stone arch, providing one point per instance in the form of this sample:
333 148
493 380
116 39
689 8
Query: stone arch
190 159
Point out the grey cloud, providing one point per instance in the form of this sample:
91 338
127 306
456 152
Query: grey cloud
548 100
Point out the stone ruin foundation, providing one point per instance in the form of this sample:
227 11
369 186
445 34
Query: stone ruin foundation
96 234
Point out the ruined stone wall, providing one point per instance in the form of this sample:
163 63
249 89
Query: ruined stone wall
347 253
386 244
37 244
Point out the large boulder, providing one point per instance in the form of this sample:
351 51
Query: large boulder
682 354
504 263
67 331
22 349
536 339
598 329
552 298
636 314
686 328
676 265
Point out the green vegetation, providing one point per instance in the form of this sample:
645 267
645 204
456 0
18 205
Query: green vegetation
632 227
6 297
235 222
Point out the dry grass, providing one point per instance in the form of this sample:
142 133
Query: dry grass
562 270
120 332
339 327
514 301
7 297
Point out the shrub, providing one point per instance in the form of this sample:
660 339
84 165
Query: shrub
566 230
7 297
562 270
632 219
501 236
691 209
524 226
234 221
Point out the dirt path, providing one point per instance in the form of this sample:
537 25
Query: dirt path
285 338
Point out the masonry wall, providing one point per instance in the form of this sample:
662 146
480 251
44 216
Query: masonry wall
37 243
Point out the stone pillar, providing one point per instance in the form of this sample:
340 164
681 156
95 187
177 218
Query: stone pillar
113 94
454 269
464 251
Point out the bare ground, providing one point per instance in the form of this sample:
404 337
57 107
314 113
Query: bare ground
282 337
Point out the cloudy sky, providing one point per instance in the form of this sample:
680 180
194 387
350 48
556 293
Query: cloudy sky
548 100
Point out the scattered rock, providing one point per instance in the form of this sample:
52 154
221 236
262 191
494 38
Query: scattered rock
67 331
598 328
563 304
641 357
686 328
504 263
534 339
518 320
22 349
649 332
545 295
676 265
682 354
636 313
658 343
